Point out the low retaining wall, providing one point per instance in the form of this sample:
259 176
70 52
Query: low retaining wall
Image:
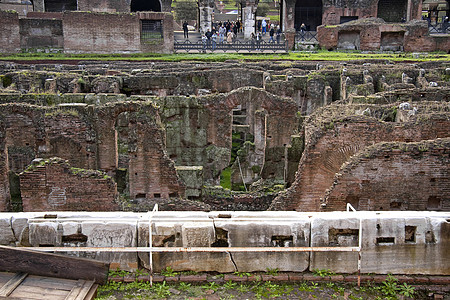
392 242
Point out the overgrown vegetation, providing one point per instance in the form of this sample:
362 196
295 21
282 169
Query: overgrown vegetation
138 289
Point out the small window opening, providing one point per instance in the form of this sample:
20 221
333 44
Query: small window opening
385 240
282 241
410 234
151 31
433 203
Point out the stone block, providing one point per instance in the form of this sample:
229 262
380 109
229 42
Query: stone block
192 177
112 234
19 224
399 243
266 233
6 232
44 234
184 234
334 230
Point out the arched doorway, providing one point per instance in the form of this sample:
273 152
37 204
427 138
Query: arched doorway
145 5
308 12
392 10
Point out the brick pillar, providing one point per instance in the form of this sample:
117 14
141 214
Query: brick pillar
289 21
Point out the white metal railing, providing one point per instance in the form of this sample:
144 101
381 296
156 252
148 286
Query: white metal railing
150 249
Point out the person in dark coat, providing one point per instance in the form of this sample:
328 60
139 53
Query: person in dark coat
185 30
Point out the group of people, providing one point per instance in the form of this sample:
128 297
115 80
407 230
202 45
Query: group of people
227 32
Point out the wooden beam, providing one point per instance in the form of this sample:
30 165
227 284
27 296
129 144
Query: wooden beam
11 285
52 265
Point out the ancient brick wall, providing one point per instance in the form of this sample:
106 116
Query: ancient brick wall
373 34
70 135
166 44
41 33
104 5
54 185
9 35
394 176
329 145
151 172
100 32
209 145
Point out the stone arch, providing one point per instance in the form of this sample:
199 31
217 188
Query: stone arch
392 10
145 5
308 12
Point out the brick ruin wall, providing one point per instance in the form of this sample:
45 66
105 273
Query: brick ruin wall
375 34
83 32
150 136
54 185
89 142
329 145
10 33
394 176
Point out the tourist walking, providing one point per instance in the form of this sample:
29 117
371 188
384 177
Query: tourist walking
214 41
230 37
264 26
271 33
258 40
278 34
222 32
185 30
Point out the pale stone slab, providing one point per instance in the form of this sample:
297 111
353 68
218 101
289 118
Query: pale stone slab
112 234
6 233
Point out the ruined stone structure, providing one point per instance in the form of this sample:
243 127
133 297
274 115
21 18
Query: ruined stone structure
87 32
69 188
370 180
172 137
399 28
376 34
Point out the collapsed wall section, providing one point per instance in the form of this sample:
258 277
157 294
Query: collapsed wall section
394 176
331 139
54 185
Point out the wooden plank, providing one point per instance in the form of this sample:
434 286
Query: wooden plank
9 298
5 277
73 294
80 291
51 283
12 284
92 293
33 292
52 265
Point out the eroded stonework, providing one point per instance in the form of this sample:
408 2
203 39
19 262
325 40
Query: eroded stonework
238 133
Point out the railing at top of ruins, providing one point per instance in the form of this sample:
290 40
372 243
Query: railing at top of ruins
306 36
439 28
237 46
